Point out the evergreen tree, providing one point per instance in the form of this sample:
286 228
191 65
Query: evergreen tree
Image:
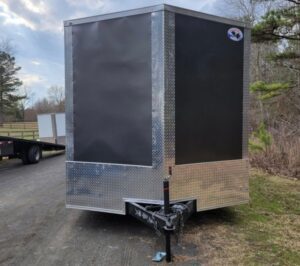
9 84
282 23
280 26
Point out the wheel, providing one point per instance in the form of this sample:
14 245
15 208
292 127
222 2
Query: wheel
24 157
34 154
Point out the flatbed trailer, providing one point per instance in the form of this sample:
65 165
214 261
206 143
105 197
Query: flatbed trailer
29 151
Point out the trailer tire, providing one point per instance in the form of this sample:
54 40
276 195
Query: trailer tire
34 154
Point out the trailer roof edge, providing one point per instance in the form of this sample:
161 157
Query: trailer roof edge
155 8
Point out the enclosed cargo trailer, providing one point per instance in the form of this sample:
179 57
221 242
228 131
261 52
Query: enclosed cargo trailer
155 93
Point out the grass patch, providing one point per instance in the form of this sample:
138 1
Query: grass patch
264 232
269 226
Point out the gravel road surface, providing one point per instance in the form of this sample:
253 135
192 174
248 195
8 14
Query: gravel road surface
37 229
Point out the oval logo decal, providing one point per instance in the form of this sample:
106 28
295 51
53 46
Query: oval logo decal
235 34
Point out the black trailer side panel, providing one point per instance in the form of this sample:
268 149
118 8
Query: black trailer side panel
209 92
112 91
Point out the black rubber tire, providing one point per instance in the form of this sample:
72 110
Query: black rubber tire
34 154
24 157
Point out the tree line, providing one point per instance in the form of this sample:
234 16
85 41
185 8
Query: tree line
15 99
275 82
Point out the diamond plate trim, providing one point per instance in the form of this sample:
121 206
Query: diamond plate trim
169 110
213 184
105 186
69 93
246 98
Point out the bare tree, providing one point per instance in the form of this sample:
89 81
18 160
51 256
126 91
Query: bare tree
57 97
53 103
44 106
6 46
27 100
248 11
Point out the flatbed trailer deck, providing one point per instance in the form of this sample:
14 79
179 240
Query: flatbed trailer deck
29 151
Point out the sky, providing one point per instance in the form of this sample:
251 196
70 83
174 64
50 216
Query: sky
34 29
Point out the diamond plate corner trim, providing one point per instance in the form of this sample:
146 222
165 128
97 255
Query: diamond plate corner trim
158 77
169 110
246 98
69 93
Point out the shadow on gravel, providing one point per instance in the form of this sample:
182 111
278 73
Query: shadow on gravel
214 217
186 251
52 154
96 220
114 222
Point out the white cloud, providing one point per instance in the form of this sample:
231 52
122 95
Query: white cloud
12 18
31 79
36 6
90 4
32 14
35 62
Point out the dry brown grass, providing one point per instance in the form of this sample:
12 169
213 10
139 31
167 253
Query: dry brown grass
282 157
265 232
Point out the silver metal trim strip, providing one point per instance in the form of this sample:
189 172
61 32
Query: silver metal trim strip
157 77
119 14
86 208
205 163
193 13
169 110
109 164
160 202
246 81
69 93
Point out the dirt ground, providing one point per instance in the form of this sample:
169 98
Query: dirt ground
37 229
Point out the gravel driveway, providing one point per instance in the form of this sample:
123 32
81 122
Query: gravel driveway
37 229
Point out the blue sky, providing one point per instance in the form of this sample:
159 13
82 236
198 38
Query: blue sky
35 30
